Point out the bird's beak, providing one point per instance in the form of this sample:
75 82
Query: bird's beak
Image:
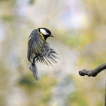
52 35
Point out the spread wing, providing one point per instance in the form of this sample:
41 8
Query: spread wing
47 55
35 43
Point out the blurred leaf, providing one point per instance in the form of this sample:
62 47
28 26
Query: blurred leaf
41 91
31 2
3 0
77 99
7 18
77 41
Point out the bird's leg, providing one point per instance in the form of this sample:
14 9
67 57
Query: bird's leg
33 63
40 54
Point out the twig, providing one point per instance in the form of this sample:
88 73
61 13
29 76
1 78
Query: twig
93 72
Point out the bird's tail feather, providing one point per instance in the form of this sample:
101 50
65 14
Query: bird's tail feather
33 68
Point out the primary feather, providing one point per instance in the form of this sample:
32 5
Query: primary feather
46 55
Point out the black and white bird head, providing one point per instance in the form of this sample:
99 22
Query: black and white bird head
45 32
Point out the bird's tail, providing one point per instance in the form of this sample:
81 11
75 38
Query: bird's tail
33 68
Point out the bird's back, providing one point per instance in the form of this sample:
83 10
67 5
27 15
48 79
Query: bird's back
35 43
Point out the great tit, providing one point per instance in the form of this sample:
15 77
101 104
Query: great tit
39 50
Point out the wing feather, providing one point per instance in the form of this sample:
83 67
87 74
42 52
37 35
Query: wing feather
47 55
35 44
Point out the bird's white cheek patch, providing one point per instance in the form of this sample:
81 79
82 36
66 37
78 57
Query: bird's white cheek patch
43 32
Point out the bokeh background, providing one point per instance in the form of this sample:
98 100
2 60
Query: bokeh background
79 27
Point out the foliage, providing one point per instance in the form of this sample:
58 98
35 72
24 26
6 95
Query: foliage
7 18
41 91
77 99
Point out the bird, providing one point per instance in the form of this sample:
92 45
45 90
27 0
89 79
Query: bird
39 50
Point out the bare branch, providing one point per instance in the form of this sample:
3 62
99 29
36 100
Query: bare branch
93 72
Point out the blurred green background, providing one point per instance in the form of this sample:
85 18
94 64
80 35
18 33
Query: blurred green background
79 27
